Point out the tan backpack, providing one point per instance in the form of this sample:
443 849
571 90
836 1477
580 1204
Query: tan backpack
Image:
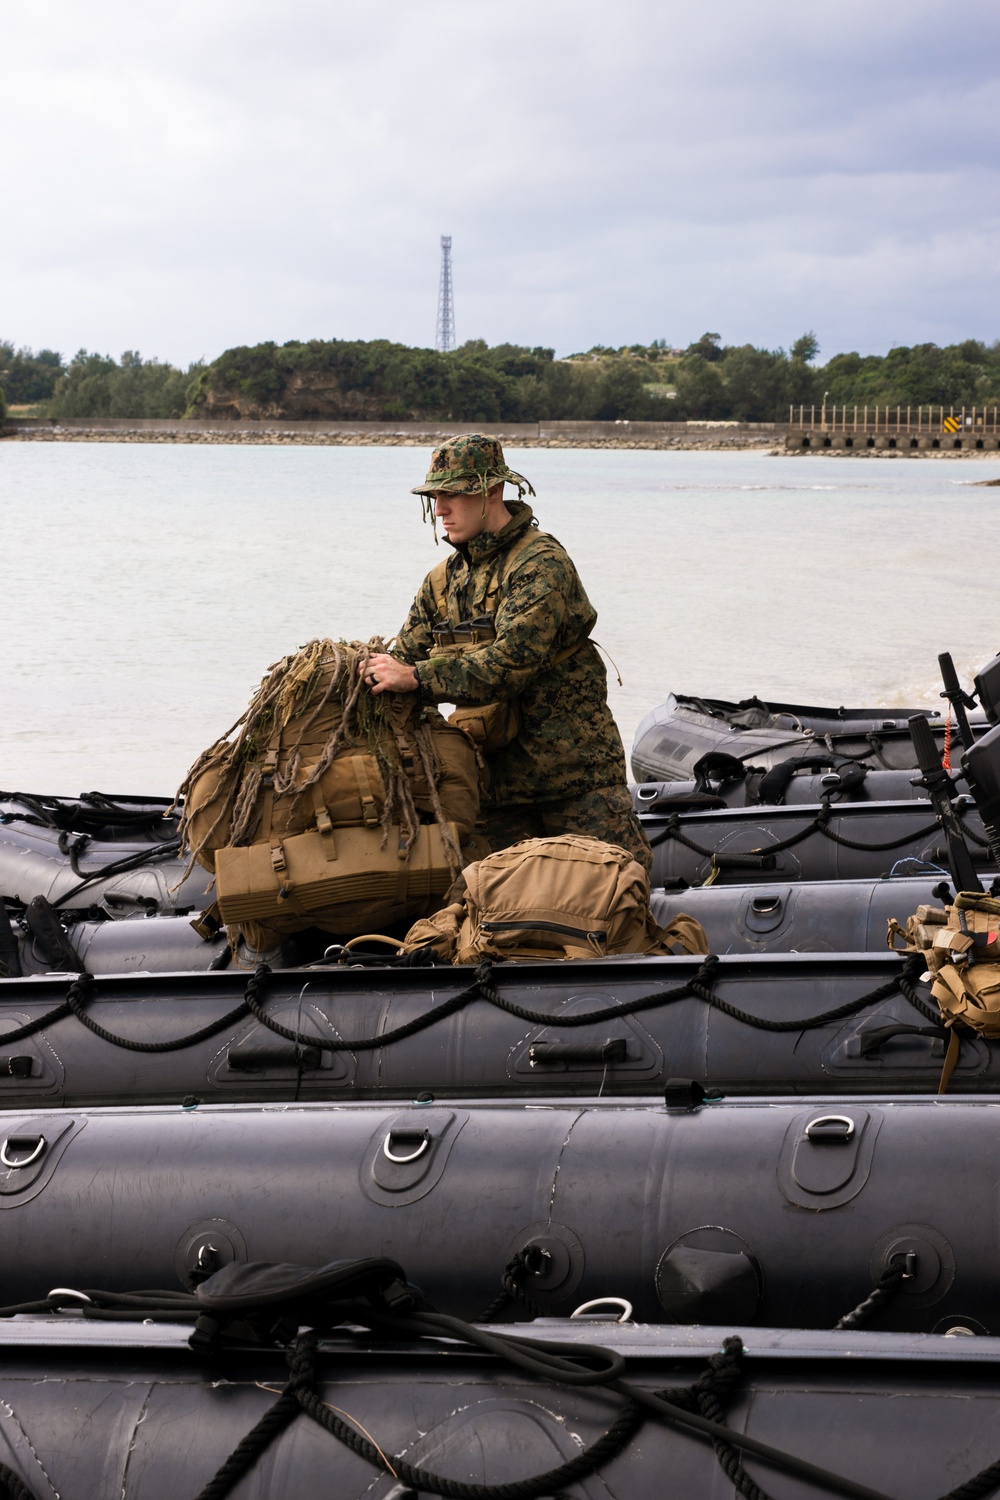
568 897
326 806
961 945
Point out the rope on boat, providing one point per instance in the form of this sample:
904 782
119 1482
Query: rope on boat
82 990
819 824
698 1408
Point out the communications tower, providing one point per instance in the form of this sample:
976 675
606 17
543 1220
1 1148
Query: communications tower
445 338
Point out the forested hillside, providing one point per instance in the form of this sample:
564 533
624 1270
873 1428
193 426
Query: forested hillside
341 380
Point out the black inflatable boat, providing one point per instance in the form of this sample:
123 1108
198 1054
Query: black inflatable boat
774 1212
672 738
96 854
94 1409
750 1023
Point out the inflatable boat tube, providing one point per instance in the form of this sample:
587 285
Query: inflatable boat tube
845 916
785 785
98 1409
144 945
673 737
787 1213
100 815
753 1024
852 841
82 873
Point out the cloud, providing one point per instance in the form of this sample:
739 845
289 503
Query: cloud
202 175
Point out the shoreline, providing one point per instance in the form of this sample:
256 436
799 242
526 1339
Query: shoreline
714 444
386 440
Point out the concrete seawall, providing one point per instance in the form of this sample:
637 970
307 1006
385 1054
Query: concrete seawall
707 435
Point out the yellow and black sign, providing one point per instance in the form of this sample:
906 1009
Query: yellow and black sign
952 424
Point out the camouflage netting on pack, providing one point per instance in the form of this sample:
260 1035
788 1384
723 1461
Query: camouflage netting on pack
961 946
315 753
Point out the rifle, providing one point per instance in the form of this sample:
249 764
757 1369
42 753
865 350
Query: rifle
981 765
959 699
940 787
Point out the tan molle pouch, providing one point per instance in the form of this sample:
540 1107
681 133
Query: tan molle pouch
350 789
490 726
330 876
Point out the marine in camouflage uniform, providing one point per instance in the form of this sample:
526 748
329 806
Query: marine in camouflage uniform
565 770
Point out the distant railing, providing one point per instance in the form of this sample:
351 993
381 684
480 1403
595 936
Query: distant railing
975 421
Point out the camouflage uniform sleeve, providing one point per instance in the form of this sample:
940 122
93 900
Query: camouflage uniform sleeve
414 641
532 628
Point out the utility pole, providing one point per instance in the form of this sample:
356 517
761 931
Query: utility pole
445 339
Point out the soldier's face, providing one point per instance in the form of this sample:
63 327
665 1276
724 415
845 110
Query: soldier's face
462 515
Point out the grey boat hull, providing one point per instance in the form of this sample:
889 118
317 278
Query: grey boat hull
94 1410
673 737
753 1024
783 1213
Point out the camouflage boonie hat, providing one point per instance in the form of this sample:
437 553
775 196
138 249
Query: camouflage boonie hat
469 465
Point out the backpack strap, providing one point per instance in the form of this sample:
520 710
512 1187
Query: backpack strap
951 1058
267 781
438 581
369 807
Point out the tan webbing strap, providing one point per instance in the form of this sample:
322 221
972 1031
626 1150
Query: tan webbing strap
438 580
369 807
506 558
951 1058
324 823
403 881
268 770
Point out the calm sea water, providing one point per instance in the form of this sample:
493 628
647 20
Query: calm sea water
146 588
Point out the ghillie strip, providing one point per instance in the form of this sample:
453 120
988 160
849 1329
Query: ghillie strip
316 691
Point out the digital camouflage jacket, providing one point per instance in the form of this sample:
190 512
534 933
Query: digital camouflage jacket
569 743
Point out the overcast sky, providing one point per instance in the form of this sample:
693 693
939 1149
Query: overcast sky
183 177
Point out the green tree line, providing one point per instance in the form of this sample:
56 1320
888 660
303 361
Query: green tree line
94 385
377 380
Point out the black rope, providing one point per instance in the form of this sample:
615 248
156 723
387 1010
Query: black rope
714 1383
698 1408
909 989
523 1263
300 1393
80 992
155 854
12 1487
819 824
483 988
889 1283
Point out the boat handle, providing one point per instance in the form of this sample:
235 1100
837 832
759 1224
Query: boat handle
830 1128
35 1144
405 1136
621 1302
647 793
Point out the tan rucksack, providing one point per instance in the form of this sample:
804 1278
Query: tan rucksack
568 897
959 943
326 806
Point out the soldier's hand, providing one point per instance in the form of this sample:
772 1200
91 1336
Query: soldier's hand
384 674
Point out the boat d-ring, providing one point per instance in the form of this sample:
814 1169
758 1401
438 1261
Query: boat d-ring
621 1302
424 1145
829 1128
22 1142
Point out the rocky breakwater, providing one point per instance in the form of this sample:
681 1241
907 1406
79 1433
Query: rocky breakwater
651 435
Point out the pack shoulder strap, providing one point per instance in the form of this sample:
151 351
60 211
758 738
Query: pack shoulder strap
519 545
438 580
